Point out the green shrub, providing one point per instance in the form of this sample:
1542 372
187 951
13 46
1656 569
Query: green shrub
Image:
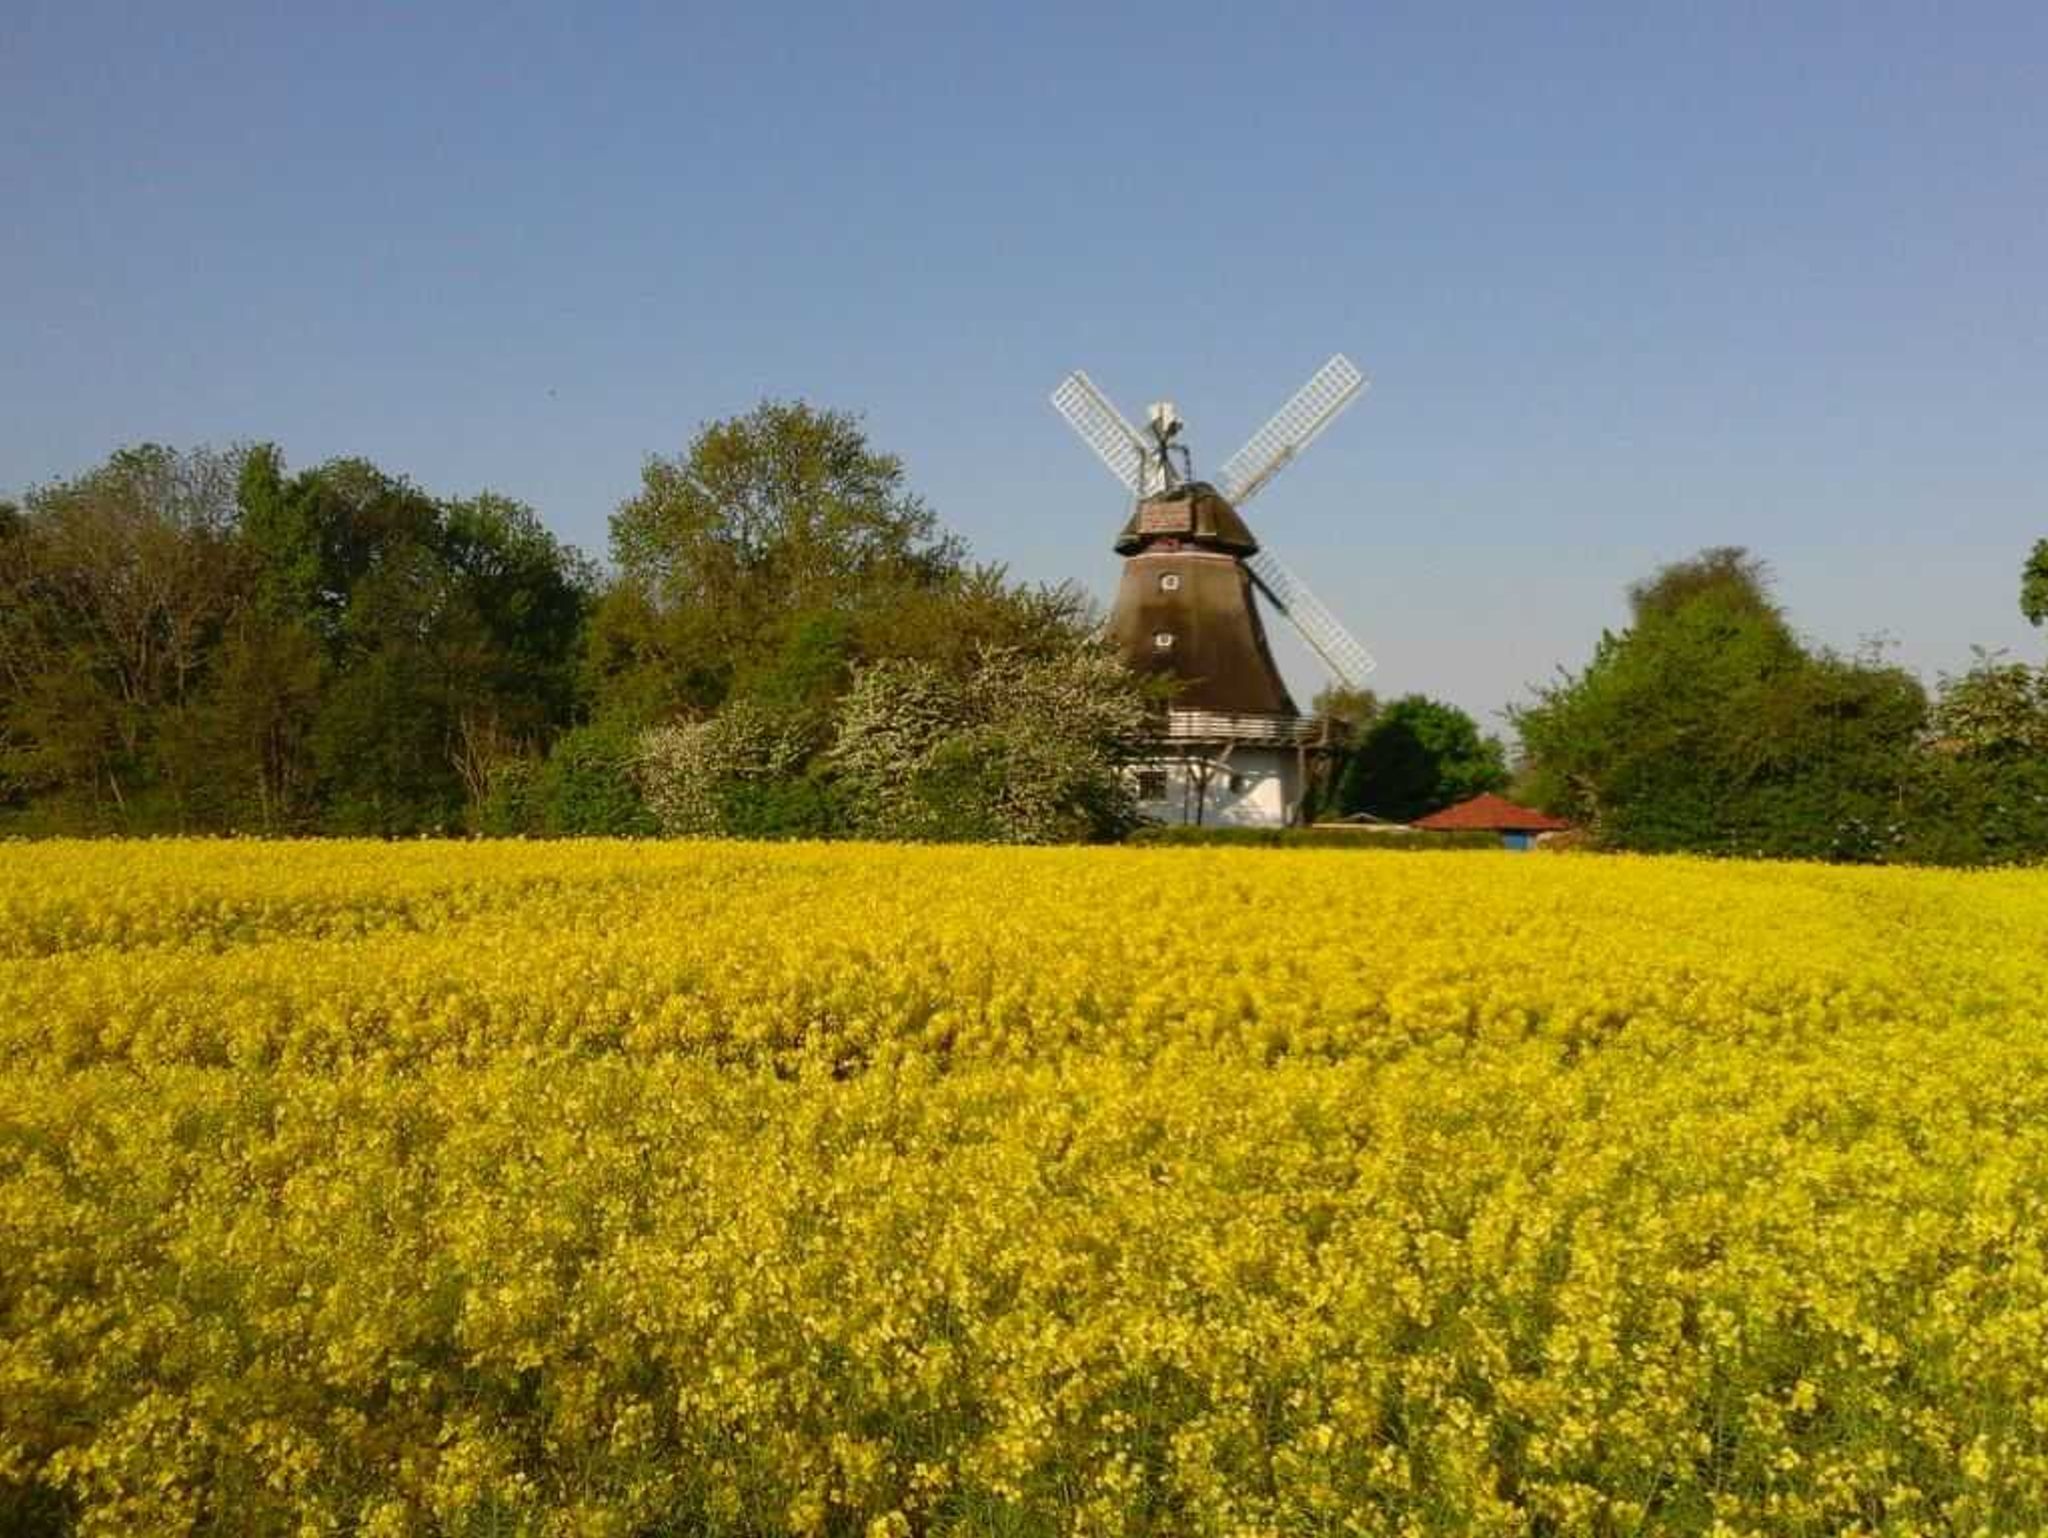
585 786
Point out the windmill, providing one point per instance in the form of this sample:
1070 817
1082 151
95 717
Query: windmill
1233 747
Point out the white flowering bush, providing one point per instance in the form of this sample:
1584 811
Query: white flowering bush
688 771
1021 749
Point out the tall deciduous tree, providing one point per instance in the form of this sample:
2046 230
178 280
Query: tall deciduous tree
197 641
19 651
115 589
2034 585
765 522
449 631
1707 725
1417 756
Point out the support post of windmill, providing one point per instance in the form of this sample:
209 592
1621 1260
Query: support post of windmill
1185 608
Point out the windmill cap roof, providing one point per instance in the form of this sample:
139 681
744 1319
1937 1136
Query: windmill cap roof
1491 814
1194 512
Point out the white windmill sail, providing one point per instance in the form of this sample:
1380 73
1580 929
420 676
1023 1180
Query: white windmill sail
1127 452
1293 428
1328 638
1269 451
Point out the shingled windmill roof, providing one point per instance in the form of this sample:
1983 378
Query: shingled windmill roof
1193 513
1491 814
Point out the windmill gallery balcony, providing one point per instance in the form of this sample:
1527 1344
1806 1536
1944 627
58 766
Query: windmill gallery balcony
1194 726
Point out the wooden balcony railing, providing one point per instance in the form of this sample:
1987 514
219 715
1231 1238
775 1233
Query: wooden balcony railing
1217 726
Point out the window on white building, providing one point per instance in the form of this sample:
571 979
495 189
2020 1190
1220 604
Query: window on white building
1151 784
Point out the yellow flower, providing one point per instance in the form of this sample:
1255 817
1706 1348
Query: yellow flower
602 1188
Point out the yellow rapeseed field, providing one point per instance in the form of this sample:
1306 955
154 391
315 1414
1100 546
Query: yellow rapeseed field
589 1188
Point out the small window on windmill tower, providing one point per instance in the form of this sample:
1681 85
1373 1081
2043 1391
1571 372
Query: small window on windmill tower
1151 784
1170 582
1163 641
1237 784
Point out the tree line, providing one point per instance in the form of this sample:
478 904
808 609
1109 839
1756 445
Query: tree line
786 642
1708 724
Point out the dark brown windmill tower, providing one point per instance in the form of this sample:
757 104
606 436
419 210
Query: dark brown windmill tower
1232 747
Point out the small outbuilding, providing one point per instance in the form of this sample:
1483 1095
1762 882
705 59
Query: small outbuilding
1519 827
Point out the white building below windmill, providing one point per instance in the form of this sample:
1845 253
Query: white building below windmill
1232 749
1229 771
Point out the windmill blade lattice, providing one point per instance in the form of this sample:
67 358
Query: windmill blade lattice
1102 427
1293 427
1338 648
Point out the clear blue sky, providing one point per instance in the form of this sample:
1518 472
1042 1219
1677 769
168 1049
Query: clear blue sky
1629 281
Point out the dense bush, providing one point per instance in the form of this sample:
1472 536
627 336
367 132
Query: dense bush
1961 810
589 784
1708 726
1014 748
741 772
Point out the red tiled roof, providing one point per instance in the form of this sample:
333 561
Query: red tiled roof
1491 814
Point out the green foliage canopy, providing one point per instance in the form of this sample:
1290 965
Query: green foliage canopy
201 640
1708 725
1416 756
195 641
115 589
2034 585
725 554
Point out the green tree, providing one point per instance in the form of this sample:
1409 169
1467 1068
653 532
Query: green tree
19 649
764 573
1707 725
447 634
386 607
115 588
514 634
1644 743
766 522
1417 756
1349 711
276 527
255 735
1727 579
196 640
2034 585
954 618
